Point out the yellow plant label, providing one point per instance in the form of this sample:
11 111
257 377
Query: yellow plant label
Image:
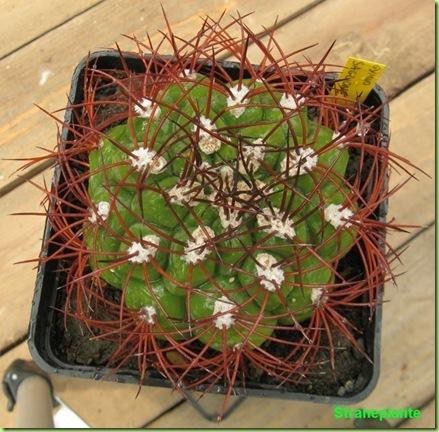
357 79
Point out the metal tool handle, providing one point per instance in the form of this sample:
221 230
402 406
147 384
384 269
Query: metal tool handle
34 404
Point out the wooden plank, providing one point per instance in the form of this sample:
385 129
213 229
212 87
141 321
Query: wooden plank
55 55
414 140
375 30
21 22
100 404
21 239
427 419
407 366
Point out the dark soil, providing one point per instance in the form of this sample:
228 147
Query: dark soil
72 344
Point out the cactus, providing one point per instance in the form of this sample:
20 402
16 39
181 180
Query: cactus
204 207
221 204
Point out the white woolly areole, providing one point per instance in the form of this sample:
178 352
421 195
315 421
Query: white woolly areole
207 124
318 296
103 208
142 253
144 158
302 160
283 229
185 194
338 136
222 306
229 219
146 108
237 98
338 216
287 101
253 155
148 313
194 251
208 143
272 277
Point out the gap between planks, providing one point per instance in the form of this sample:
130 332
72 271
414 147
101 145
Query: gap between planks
427 419
23 7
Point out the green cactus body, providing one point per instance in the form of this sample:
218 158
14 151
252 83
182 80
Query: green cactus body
162 231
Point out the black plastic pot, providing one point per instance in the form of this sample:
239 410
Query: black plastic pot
43 314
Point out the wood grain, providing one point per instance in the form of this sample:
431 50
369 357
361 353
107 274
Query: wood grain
23 127
21 239
99 404
412 136
20 23
407 366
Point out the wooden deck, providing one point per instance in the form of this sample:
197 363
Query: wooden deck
41 44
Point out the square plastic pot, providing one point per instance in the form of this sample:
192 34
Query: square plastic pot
42 320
